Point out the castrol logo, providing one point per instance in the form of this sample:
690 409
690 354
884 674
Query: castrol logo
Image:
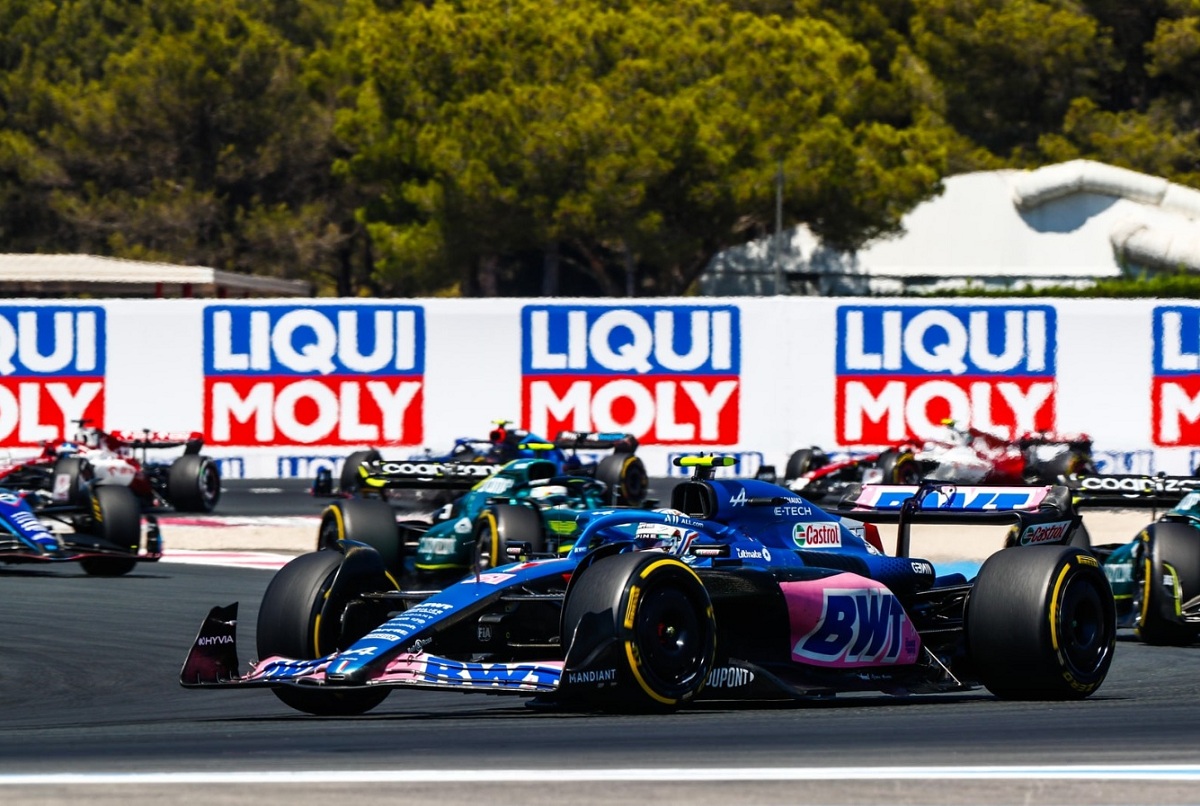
817 535
1045 533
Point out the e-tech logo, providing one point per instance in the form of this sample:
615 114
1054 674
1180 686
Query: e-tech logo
667 374
1175 388
51 371
902 370
314 374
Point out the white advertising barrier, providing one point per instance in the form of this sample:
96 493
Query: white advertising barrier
282 388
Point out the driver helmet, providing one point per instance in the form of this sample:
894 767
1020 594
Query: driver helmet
548 491
660 535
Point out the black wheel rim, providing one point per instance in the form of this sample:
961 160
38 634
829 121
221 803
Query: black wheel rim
670 636
483 549
1083 630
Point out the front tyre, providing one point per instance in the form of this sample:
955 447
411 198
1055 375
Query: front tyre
650 616
365 520
503 524
290 625
1166 573
117 521
1041 624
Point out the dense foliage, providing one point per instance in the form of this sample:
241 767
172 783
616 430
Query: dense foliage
484 147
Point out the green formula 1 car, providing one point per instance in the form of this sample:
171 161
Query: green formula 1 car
526 504
1155 577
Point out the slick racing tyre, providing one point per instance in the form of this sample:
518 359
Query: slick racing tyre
654 615
802 461
364 520
1166 573
626 477
117 522
291 624
69 482
1067 463
348 480
898 467
1041 624
503 524
193 484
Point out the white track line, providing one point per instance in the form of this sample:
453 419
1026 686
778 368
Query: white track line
1164 772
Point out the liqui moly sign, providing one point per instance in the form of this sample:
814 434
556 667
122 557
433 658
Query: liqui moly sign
314 374
1175 388
902 370
668 374
51 372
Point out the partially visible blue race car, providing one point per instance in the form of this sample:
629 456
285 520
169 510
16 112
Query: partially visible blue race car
744 590
98 526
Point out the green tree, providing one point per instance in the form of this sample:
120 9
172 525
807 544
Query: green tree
630 141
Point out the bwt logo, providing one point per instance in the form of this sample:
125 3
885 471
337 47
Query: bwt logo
666 374
51 371
856 628
314 374
903 370
1175 390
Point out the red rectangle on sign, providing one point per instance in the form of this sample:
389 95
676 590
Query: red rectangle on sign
882 410
662 410
47 409
256 411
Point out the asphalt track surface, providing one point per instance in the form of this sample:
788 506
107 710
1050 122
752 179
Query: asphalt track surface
90 708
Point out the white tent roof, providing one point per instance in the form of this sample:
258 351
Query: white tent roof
1071 223
59 275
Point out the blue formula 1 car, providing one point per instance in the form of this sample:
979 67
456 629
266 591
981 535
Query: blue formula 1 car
622 470
98 526
1155 577
744 591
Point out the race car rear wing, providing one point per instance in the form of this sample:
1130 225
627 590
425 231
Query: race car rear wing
192 441
596 440
1130 491
384 474
1040 515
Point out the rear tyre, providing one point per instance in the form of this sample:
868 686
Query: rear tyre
70 481
117 521
1166 573
801 462
289 625
364 520
626 477
350 478
502 524
658 614
899 467
1041 624
1068 463
193 484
